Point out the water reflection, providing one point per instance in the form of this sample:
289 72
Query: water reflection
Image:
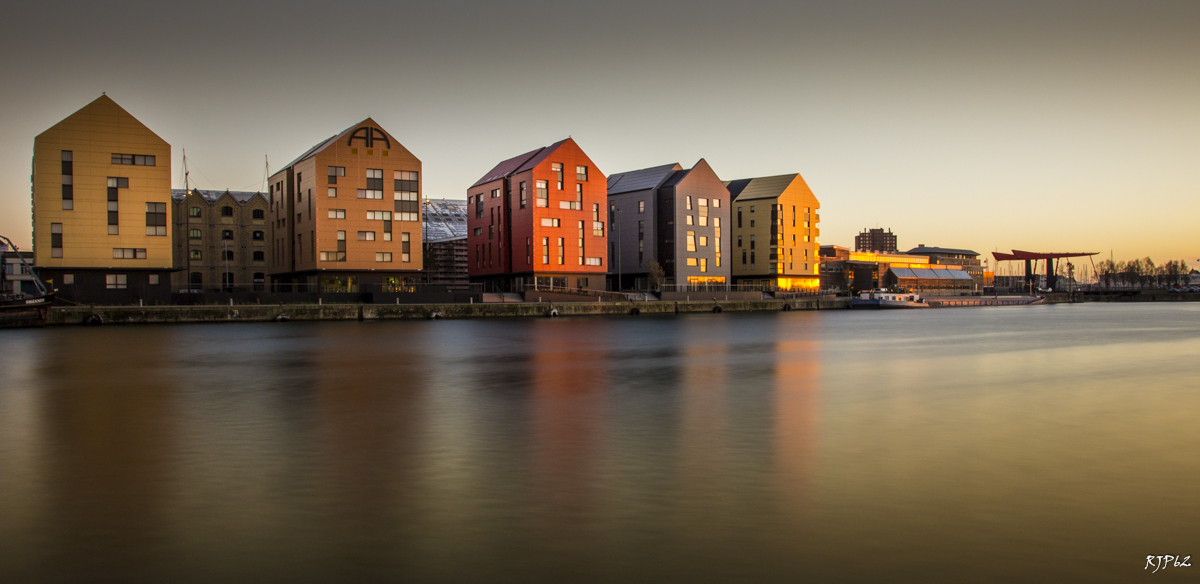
757 447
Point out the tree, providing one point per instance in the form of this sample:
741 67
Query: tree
657 275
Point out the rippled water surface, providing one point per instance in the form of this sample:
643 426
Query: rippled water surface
1055 443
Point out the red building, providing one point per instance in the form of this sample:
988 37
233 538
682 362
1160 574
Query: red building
537 221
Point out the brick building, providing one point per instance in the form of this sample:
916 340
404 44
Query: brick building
220 240
875 240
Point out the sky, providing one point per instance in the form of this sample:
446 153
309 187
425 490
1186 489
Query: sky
1032 125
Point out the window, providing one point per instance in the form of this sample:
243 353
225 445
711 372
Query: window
193 211
406 181
332 192
257 214
495 193
68 279
115 281
479 206
595 261
56 240
689 203
404 248
227 255
716 202
366 236
334 173
641 206
337 213
227 234
557 169
258 236
751 242
739 241
478 231
115 184
134 159
156 219
128 253
545 250
691 241
375 179
383 256
703 241
195 254
227 211
703 264
549 222
68 181
379 215
407 197
739 217
581 173
690 221
561 252
543 193
260 256
691 262
195 234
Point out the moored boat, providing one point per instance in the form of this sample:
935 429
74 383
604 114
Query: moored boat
888 299
24 310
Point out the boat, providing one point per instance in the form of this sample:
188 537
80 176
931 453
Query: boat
880 298
25 310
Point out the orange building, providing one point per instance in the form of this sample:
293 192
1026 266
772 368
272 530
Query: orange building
537 221
346 216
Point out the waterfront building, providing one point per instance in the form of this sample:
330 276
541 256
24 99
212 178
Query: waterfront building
775 233
875 240
843 270
14 277
101 193
346 216
676 217
536 221
220 240
445 228
968 260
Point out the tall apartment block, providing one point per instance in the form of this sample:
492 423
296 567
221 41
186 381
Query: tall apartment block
101 194
875 240
537 221
346 216
775 228
676 217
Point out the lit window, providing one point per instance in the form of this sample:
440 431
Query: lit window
581 173
691 262
549 222
543 193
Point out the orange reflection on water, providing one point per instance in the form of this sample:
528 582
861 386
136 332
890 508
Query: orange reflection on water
797 412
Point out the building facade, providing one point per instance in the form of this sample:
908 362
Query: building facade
446 242
675 217
101 194
875 240
15 277
537 221
346 216
968 260
776 233
220 240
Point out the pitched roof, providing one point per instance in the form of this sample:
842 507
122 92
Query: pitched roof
506 168
325 144
636 180
922 250
540 156
242 197
676 177
766 187
445 219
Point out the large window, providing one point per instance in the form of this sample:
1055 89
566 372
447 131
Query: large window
156 219
557 169
562 253
128 253
116 281
407 196
550 222
691 241
134 159
115 184
405 250
581 173
335 172
56 240
543 193
545 250
68 181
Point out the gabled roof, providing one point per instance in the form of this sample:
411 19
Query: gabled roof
327 143
636 180
506 168
97 108
922 250
242 197
519 164
766 187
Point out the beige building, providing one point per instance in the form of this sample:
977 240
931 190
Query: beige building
775 231
101 197
221 240
346 216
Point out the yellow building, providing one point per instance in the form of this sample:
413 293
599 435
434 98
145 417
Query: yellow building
101 206
346 216
775 233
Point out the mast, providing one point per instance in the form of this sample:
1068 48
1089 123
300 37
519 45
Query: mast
187 219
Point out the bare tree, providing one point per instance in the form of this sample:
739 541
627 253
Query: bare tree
657 275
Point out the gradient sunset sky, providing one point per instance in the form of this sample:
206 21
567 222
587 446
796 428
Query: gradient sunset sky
1036 125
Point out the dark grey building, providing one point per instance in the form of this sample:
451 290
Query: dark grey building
875 240
676 217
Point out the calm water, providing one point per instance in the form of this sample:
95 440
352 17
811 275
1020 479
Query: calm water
1050 443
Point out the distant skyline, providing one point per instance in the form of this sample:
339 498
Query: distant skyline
1046 126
